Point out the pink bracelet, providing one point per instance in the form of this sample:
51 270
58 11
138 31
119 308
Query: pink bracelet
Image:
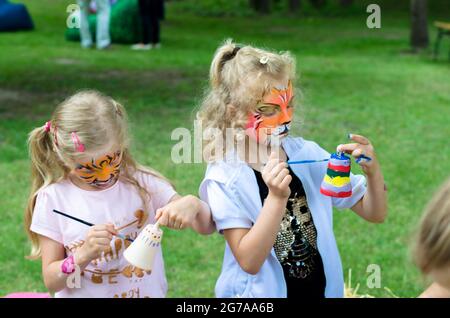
68 265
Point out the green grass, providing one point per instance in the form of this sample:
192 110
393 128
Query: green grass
353 79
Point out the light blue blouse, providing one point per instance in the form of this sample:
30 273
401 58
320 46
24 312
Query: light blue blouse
231 190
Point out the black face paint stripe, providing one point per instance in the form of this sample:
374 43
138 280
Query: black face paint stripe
86 178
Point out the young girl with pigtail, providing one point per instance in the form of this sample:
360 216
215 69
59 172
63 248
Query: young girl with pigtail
277 224
81 165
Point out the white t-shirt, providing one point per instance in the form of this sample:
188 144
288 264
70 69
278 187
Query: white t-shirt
111 275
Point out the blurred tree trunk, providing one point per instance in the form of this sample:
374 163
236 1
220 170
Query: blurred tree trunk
346 3
419 25
294 5
261 6
318 3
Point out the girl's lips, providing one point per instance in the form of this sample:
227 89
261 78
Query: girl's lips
282 130
105 184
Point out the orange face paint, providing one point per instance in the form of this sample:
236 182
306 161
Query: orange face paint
100 172
273 115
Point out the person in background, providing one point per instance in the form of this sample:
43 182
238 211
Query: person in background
432 249
103 39
151 11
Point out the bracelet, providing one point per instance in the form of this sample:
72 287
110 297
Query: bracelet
68 265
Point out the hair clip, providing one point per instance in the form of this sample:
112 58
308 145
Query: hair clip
48 126
264 60
76 142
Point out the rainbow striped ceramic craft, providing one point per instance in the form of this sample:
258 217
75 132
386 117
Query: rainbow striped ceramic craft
336 182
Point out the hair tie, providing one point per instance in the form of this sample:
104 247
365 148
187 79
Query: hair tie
48 126
264 59
76 142
229 56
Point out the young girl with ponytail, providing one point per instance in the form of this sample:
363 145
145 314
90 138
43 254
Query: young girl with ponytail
277 224
81 165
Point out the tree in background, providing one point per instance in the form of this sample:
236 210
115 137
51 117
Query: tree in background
419 25
267 6
318 3
261 6
294 5
346 3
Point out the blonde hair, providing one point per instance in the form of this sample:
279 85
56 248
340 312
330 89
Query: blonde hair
240 75
98 121
432 249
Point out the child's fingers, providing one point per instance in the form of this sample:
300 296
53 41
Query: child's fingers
286 181
279 178
100 227
357 152
158 214
183 225
102 241
359 139
163 219
111 228
270 164
347 148
172 220
102 234
277 169
177 224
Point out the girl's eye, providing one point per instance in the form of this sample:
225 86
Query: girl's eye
267 110
83 169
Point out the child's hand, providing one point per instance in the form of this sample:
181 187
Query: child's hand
97 241
276 176
179 213
364 153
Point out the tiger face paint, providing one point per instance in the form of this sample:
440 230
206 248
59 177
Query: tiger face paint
100 172
273 115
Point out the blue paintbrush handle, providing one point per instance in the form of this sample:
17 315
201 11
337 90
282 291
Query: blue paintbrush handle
361 158
305 161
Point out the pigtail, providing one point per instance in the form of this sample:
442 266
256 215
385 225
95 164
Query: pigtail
46 168
224 53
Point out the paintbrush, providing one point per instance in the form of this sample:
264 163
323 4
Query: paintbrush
358 160
290 162
88 223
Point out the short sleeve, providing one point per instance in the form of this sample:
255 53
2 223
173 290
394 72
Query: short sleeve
160 191
44 221
358 190
226 212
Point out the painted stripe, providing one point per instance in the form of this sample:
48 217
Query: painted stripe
337 181
338 168
337 162
327 186
334 173
336 194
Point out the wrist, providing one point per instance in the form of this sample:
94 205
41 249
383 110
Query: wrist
81 259
277 198
375 174
195 202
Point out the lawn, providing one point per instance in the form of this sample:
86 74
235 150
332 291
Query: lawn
354 80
